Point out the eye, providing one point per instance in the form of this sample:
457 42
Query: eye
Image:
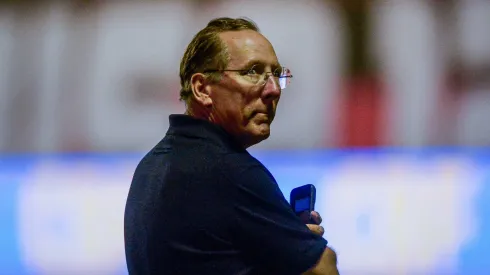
252 71
277 72
256 69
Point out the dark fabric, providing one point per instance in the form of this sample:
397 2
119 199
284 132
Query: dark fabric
201 204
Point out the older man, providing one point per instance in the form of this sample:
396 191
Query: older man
199 203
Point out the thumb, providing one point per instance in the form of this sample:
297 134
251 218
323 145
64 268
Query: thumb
317 229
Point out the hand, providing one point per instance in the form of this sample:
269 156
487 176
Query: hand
315 216
310 218
316 228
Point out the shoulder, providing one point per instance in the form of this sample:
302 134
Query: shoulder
250 179
194 158
240 166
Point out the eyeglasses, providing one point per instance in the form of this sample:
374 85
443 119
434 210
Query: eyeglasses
259 76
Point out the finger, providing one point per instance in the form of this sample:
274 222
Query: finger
305 217
317 229
316 217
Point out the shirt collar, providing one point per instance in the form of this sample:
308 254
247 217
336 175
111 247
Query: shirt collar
185 125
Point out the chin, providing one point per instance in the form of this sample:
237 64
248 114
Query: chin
262 131
257 133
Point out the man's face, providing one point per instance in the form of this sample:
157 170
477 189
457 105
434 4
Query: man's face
243 107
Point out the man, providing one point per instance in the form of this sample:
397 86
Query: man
199 203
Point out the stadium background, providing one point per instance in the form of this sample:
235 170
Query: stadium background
387 115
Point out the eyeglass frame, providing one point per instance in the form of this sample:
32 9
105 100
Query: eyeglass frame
266 74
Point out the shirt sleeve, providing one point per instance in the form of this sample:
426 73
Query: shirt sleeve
267 228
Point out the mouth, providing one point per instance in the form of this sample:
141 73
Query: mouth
254 113
261 116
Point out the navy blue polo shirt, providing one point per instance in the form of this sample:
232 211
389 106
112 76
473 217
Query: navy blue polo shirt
199 203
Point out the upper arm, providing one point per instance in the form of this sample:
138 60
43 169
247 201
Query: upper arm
267 227
326 265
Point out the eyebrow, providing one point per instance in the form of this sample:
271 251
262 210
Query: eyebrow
259 62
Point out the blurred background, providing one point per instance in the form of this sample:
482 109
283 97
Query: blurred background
388 115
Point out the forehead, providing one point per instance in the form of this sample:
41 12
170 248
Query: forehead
248 46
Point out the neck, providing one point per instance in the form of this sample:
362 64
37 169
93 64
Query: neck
200 112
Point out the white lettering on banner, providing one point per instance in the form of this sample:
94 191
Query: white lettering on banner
73 228
397 215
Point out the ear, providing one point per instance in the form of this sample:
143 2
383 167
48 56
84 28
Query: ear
201 90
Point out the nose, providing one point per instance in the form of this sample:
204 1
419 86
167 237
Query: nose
272 90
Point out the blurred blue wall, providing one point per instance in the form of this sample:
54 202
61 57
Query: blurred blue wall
386 211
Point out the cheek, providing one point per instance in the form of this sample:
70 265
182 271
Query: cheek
244 103
234 108
248 111
238 102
